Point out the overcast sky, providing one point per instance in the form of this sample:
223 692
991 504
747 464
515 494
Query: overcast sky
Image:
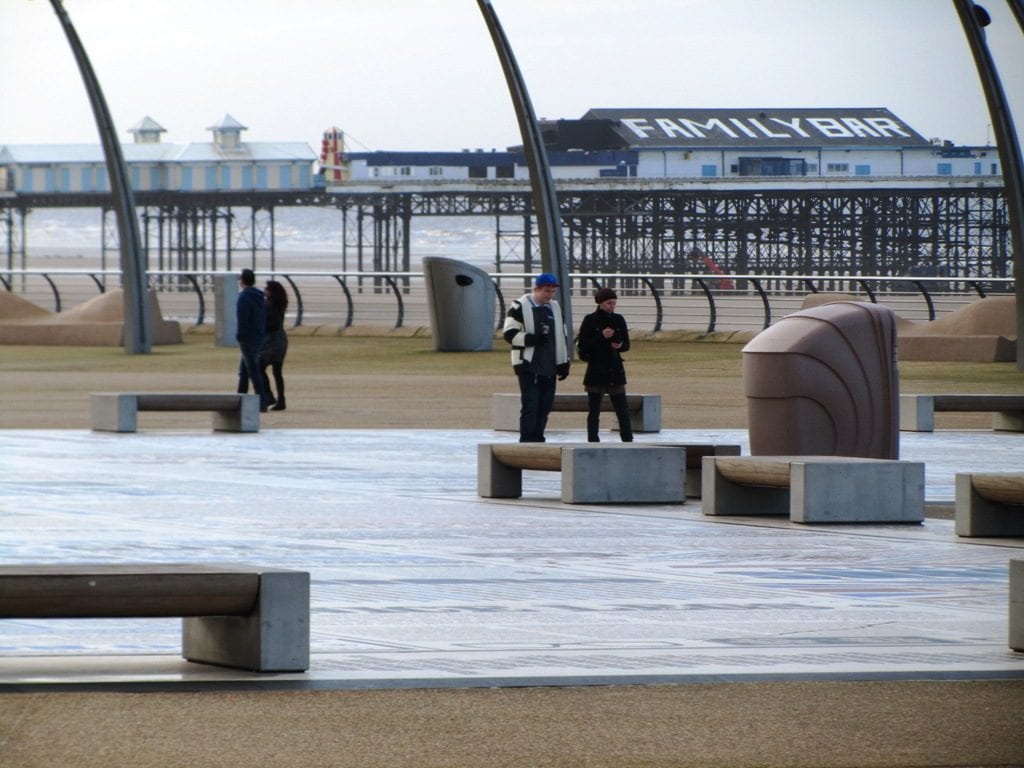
422 74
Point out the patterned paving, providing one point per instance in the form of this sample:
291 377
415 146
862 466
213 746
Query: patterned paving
418 581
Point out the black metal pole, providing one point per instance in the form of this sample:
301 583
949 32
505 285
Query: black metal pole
974 18
138 336
545 198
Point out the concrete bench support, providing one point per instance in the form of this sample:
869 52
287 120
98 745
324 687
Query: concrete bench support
695 453
989 504
644 410
255 619
815 489
592 473
118 411
1017 605
917 412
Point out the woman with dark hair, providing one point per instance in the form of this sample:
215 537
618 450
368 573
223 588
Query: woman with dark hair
275 346
602 339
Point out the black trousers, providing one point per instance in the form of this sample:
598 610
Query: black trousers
621 412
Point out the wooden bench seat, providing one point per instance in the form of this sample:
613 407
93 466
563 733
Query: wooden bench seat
989 504
917 412
592 473
644 410
232 616
118 411
815 489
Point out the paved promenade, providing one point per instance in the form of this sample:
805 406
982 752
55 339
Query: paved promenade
417 581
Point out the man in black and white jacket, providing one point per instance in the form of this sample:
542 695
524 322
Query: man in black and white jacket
540 354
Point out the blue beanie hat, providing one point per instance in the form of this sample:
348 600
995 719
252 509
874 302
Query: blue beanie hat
546 278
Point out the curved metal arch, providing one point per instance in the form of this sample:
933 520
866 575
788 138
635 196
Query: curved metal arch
138 331
712 308
349 313
542 184
298 300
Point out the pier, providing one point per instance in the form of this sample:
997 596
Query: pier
881 226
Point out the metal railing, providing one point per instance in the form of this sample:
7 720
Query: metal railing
696 302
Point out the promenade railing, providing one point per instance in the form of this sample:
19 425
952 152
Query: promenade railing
704 303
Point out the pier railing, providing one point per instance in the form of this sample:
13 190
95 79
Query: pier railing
704 303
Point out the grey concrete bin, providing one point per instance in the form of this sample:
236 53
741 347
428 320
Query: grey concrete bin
462 301
824 382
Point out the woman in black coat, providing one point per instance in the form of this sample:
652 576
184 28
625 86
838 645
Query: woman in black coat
602 339
275 344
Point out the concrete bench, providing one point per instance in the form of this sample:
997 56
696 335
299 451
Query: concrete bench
1017 605
989 504
815 489
118 411
247 618
592 473
644 410
917 412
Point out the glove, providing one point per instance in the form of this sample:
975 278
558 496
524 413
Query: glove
563 371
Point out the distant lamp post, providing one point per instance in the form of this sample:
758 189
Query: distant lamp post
545 199
138 337
974 19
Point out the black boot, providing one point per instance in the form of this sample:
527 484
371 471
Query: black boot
279 405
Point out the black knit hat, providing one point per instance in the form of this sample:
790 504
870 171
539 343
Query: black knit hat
603 294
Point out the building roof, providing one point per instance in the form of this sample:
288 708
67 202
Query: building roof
195 152
683 128
147 125
228 123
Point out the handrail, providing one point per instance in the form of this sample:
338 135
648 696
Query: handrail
400 282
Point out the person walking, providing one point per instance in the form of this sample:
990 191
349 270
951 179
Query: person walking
251 328
540 354
275 345
602 339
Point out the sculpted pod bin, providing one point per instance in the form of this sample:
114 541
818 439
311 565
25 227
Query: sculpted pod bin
824 382
462 301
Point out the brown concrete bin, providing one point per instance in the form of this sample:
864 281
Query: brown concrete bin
824 382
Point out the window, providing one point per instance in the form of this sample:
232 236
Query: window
862 170
405 170
837 168
504 172
478 172
436 171
709 170
945 169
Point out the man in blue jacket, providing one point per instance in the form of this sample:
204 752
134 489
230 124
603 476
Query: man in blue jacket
251 316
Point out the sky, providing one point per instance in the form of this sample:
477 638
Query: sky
423 74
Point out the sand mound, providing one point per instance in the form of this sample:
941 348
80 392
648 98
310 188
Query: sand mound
98 322
984 331
16 308
993 316
107 307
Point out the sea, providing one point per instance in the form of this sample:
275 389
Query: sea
306 238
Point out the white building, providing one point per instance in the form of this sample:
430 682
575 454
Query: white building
828 143
226 163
